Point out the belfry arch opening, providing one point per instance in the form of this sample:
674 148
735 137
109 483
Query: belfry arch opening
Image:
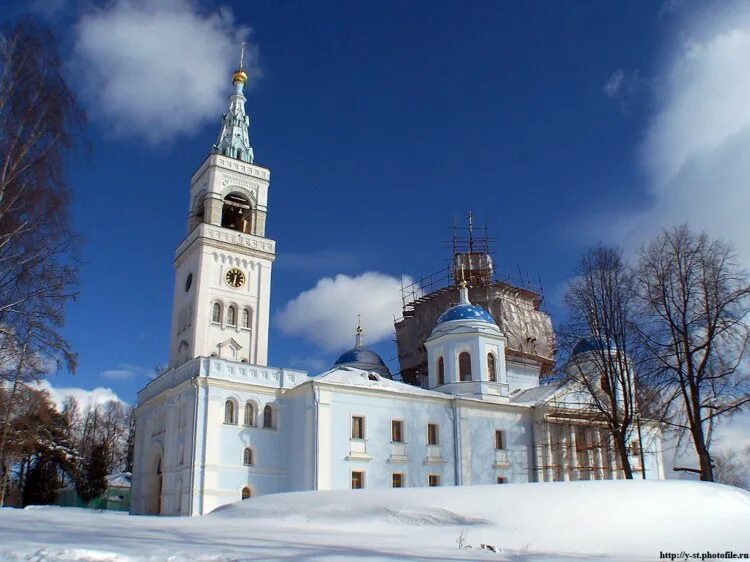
237 213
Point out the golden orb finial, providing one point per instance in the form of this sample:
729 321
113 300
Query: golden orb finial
239 76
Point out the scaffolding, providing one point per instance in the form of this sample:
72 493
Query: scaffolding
572 442
514 303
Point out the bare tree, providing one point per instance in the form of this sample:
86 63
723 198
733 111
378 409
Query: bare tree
695 301
598 344
733 468
39 124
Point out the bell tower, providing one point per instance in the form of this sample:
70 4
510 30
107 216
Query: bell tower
223 267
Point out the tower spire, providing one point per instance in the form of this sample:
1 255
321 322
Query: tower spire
234 137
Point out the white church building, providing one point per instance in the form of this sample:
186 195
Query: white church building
220 425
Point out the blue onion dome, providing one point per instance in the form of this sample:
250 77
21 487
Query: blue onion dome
585 345
464 310
360 357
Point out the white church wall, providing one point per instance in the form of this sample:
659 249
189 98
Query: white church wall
300 438
376 455
226 473
163 432
481 462
522 375
184 321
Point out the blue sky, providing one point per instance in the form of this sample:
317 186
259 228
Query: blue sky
558 124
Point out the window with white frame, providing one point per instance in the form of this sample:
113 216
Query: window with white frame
464 366
358 479
397 431
433 436
232 316
247 457
268 421
491 368
358 427
499 439
229 412
249 414
216 313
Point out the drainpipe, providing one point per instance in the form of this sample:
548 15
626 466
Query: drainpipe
316 430
205 437
456 443
194 384
534 471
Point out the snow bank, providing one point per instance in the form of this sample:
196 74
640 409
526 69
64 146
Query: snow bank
604 520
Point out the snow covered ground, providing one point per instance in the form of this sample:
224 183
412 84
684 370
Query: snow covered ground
613 521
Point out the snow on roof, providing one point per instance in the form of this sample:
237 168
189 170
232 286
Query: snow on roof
533 396
351 376
121 480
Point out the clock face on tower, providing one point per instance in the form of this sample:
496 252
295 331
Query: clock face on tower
235 278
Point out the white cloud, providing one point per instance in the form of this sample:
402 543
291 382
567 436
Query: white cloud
623 86
734 433
157 70
85 397
327 313
126 371
696 151
614 83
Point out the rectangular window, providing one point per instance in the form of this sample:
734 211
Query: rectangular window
433 480
358 427
499 440
358 479
432 434
398 480
501 480
397 431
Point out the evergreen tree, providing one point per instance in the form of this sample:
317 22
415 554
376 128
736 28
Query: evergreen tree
42 482
92 481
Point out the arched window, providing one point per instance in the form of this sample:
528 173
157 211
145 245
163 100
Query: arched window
441 371
232 316
247 457
229 416
246 493
491 372
216 314
464 366
236 213
249 414
245 317
268 416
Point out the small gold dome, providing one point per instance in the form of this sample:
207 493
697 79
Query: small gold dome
239 76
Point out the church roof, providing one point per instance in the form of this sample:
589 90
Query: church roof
362 358
535 395
466 312
344 375
585 345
